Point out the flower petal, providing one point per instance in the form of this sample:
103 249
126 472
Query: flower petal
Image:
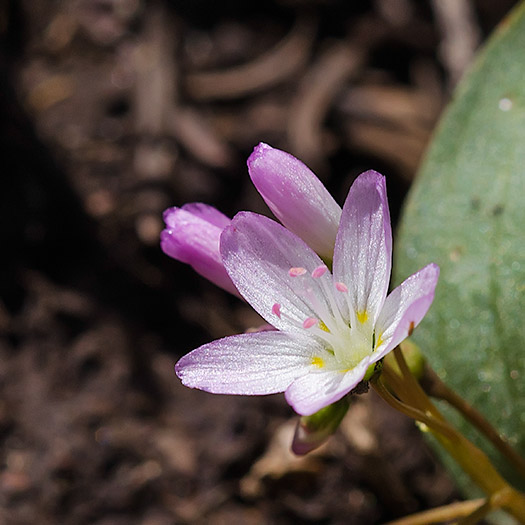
259 255
208 213
192 236
248 364
404 309
296 197
363 250
318 389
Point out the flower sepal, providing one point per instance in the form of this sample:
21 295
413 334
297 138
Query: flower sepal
312 431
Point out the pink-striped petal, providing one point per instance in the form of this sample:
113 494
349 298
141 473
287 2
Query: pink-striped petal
296 197
248 364
318 389
404 309
363 251
258 254
208 213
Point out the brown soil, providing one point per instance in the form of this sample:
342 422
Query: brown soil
113 110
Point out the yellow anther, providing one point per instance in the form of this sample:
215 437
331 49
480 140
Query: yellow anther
323 327
317 361
362 317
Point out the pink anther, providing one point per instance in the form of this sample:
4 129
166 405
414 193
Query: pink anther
341 287
320 270
276 309
296 271
309 322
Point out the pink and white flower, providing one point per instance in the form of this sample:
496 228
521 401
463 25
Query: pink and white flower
291 190
332 326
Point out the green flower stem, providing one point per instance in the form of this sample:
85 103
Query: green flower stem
404 393
436 388
410 411
413 384
461 509
477 515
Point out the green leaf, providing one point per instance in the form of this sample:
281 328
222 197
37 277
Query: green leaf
466 212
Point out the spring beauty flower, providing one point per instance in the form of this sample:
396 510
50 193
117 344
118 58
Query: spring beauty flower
296 197
192 235
294 194
332 327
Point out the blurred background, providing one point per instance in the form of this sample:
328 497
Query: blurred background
112 111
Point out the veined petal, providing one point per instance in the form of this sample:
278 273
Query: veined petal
404 309
296 197
208 213
248 364
363 250
271 267
318 389
192 236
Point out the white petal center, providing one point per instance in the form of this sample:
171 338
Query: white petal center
328 321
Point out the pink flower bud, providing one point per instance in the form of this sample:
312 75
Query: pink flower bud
312 431
192 236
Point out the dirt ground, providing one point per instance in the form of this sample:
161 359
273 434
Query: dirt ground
113 110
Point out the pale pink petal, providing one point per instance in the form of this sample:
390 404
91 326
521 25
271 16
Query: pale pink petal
404 308
296 197
248 364
208 213
363 251
258 254
191 237
318 389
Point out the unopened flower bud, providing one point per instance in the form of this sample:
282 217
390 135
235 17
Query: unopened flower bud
312 431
